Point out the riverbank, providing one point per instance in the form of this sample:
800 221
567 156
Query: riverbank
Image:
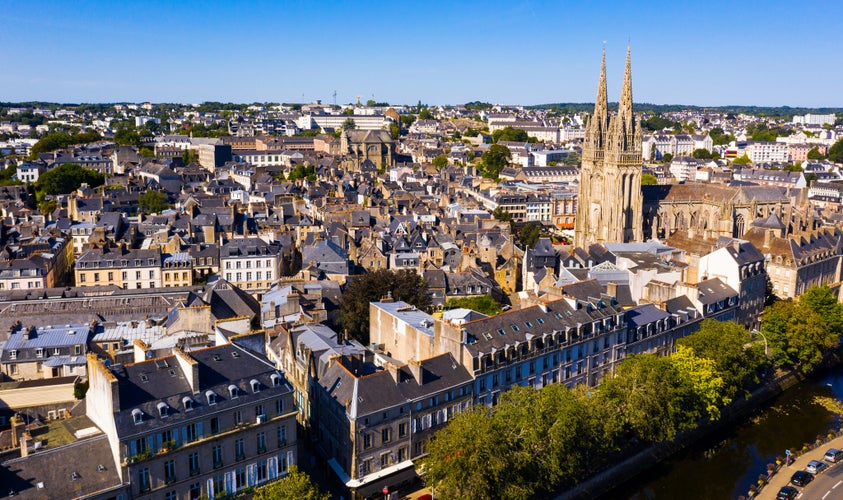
608 483
784 472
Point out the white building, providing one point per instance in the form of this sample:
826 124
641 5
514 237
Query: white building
811 119
760 152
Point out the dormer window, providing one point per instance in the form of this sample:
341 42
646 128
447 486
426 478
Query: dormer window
256 386
276 379
187 403
212 398
137 416
163 409
233 391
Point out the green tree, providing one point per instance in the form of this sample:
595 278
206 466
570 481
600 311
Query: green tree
501 215
572 159
66 178
80 388
529 235
404 285
189 156
667 158
407 120
425 114
60 140
797 334
482 304
494 160
651 397
349 124
509 134
649 180
725 343
147 152
701 154
835 152
294 486
302 172
707 385
814 154
394 131
127 137
718 137
742 160
440 161
153 202
821 300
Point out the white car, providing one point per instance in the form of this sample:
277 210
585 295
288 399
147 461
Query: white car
815 466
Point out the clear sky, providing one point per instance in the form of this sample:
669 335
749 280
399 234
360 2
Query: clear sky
714 52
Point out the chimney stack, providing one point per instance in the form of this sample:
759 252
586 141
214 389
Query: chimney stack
417 371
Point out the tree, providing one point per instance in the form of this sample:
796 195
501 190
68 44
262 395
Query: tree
66 178
127 137
651 397
509 134
302 172
572 159
649 180
501 215
742 160
798 334
821 300
494 160
407 120
701 154
724 342
60 140
294 486
349 124
707 385
153 202
482 304
835 152
814 154
529 235
718 137
440 161
80 388
792 168
667 158
394 131
189 156
405 285
425 114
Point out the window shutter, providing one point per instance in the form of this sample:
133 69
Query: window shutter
272 465
229 482
133 448
251 474
210 487
290 459
199 433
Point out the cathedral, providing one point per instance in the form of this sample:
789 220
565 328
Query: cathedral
609 207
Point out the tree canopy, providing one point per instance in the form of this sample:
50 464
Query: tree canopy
295 486
153 202
814 154
404 285
303 172
511 135
66 178
649 180
835 152
718 137
482 304
440 161
742 160
61 140
127 137
494 160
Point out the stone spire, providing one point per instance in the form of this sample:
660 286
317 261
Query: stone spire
598 124
625 128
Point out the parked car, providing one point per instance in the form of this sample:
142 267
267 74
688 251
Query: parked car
787 493
833 455
815 466
801 478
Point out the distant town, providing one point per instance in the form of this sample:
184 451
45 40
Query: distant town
198 300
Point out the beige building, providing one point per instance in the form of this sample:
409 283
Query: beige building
128 269
251 264
177 270
610 203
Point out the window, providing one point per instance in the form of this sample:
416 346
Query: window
192 433
219 484
82 277
262 472
212 397
143 479
402 454
110 275
215 425
261 442
367 441
282 464
238 417
279 406
240 479
169 471
385 435
239 449
96 276
137 416
282 436
13 354
384 460
193 463
39 353
77 349
217 453
233 392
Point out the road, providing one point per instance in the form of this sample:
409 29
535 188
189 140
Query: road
826 486
36 396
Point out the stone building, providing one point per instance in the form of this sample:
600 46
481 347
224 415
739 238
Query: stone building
610 203
373 145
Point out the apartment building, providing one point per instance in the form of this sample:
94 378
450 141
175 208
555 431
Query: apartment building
38 352
121 267
208 423
251 263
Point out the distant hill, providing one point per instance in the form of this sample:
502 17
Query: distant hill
781 111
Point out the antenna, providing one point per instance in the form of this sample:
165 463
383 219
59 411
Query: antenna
335 98
358 99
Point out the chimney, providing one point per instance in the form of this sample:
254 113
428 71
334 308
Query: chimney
612 289
293 299
140 349
16 422
768 237
417 371
26 332
24 444
394 371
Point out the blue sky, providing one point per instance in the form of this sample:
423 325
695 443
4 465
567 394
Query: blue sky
683 52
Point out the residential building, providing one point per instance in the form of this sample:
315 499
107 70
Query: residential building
36 352
121 267
250 263
741 266
211 422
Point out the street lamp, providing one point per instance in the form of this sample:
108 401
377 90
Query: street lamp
756 332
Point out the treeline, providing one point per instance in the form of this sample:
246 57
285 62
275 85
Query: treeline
535 442
61 140
781 111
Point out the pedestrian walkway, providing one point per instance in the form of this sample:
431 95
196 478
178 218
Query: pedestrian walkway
782 477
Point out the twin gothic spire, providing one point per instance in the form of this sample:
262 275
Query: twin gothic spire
623 125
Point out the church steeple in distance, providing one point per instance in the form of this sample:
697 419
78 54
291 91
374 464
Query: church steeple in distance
609 202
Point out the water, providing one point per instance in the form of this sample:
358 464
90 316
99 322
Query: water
724 465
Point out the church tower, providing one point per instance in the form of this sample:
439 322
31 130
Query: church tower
609 203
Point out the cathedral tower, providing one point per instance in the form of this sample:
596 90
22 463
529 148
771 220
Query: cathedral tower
609 203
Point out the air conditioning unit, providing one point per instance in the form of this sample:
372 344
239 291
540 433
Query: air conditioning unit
261 419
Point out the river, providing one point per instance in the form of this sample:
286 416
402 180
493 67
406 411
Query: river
724 465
